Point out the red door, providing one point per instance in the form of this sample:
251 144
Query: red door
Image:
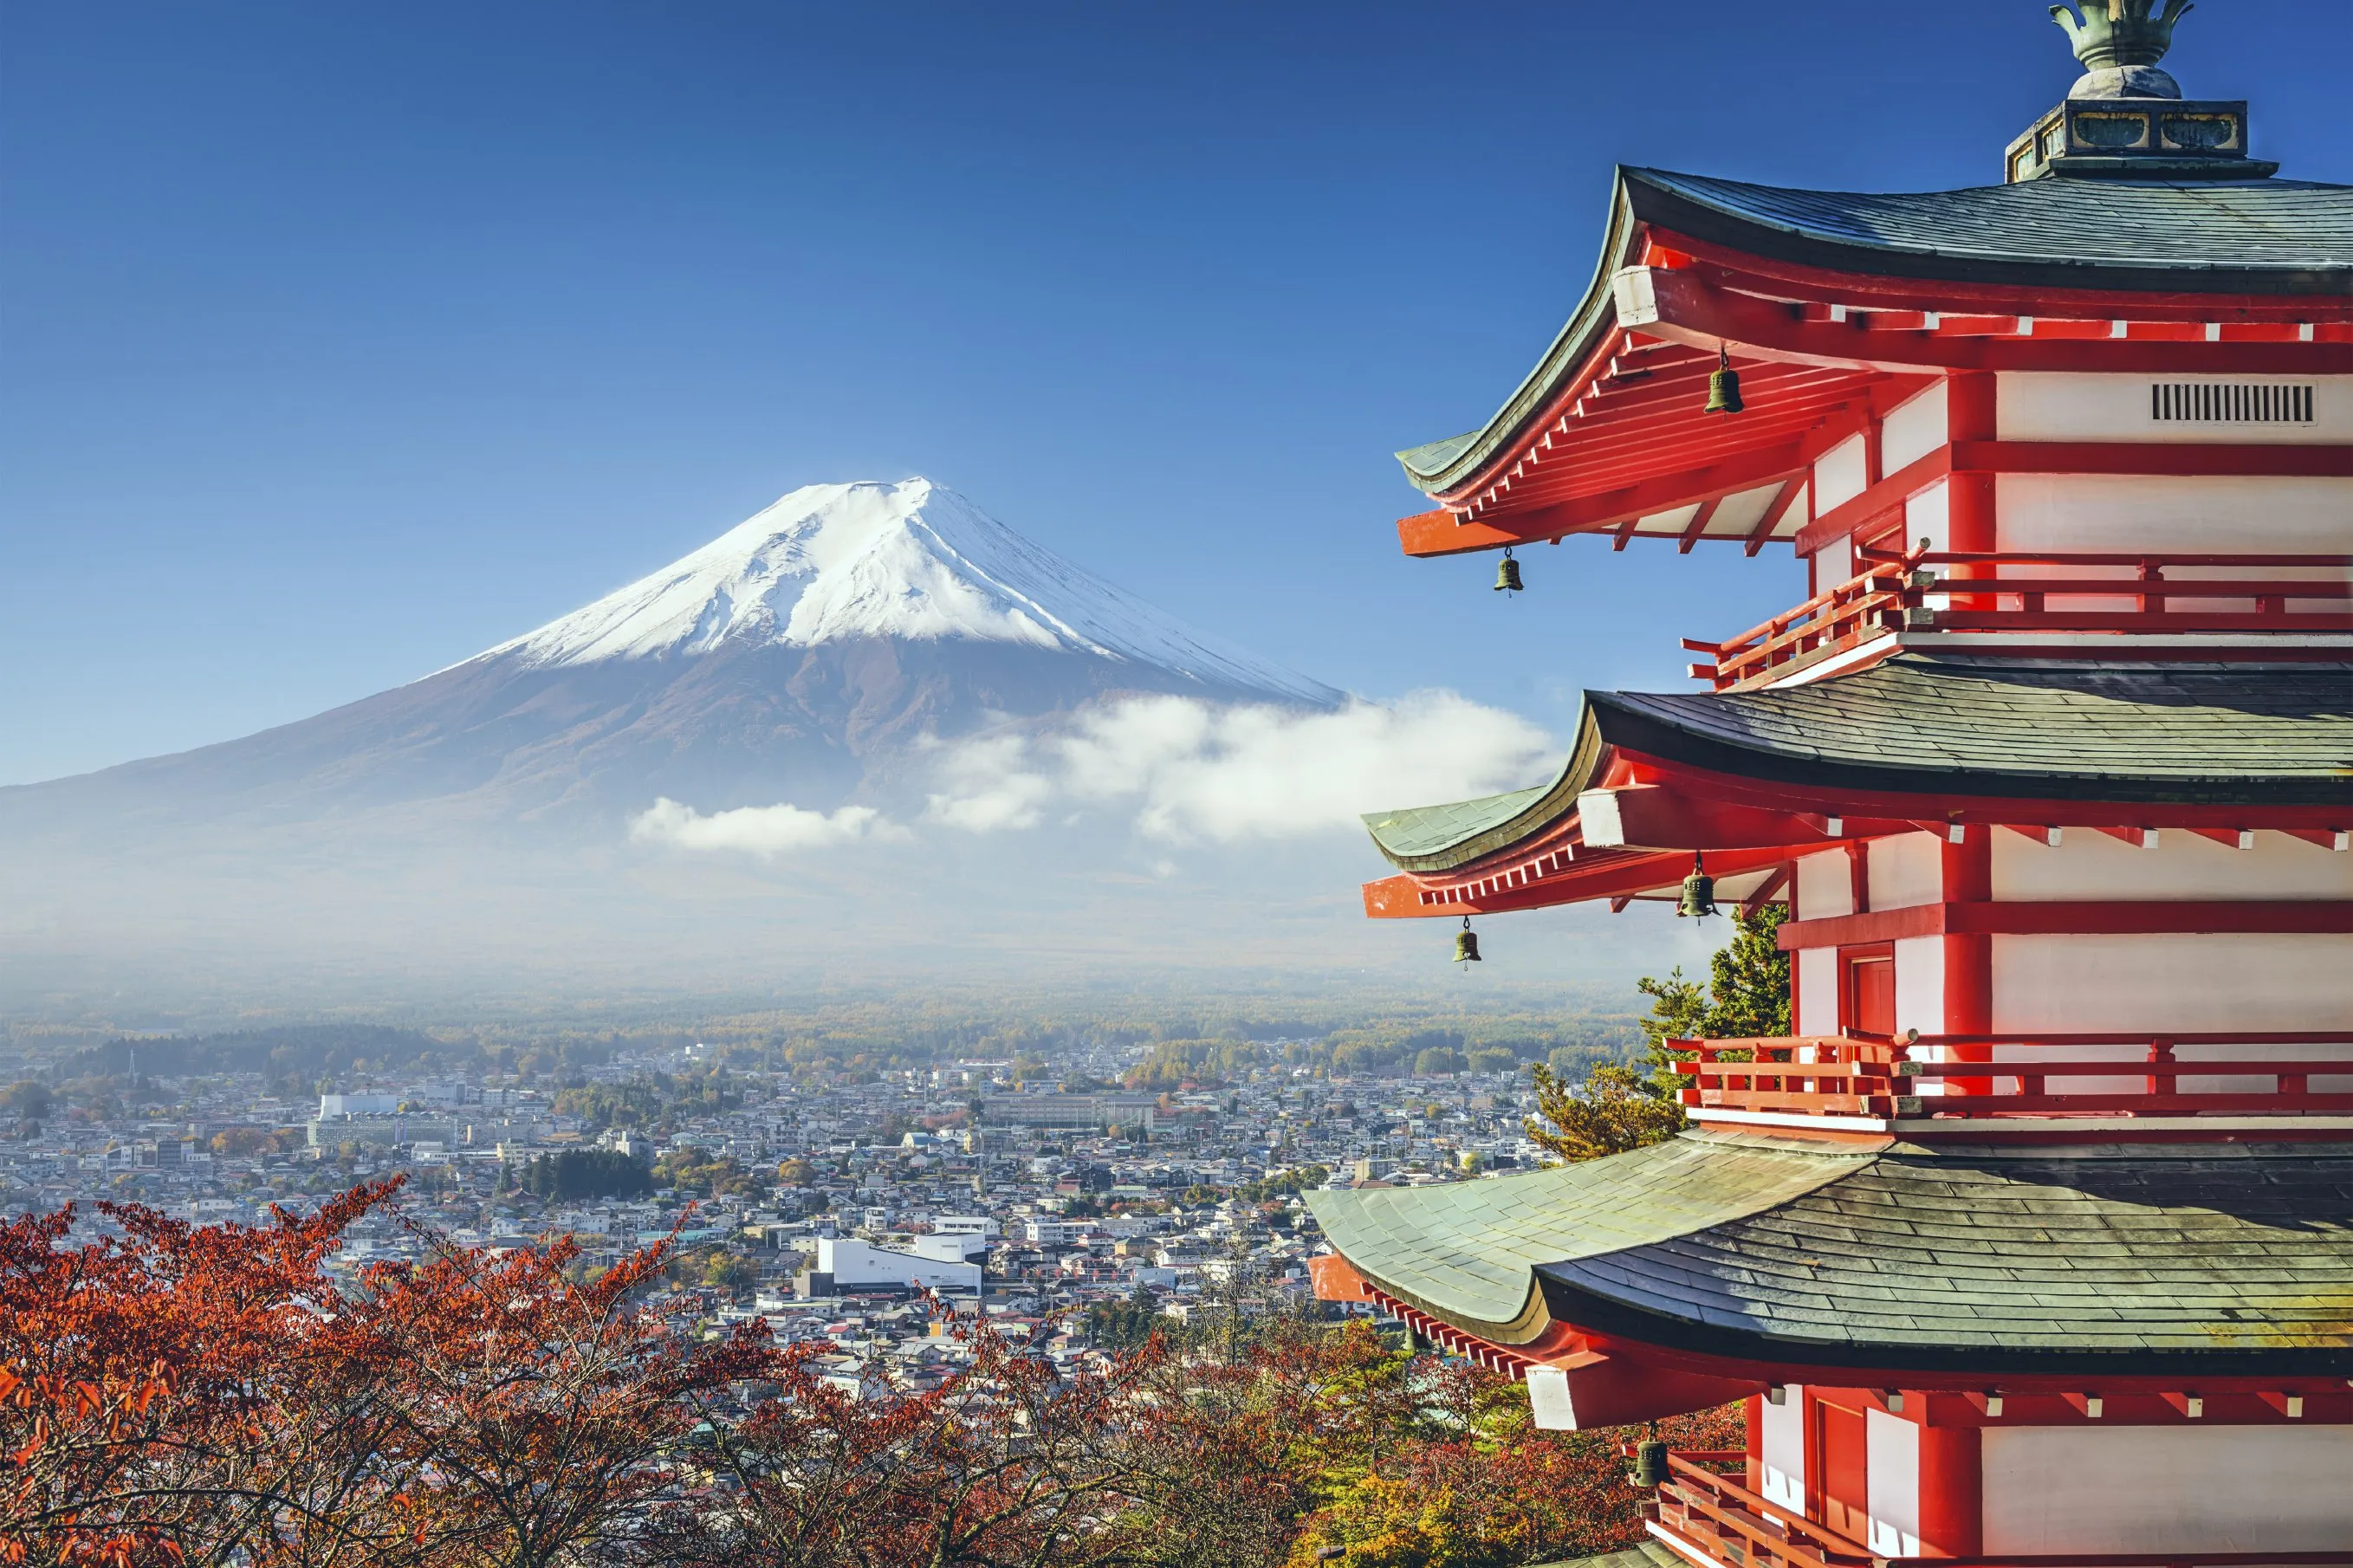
1845 1471
1870 989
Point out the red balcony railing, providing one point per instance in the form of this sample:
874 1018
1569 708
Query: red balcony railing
2040 593
1717 1519
2035 1075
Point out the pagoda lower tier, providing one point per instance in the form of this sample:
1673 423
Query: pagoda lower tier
2071 1356
2036 900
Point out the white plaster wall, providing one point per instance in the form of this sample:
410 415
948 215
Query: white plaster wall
2191 982
2069 405
1920 985
2194 513
1783 1435
2054 1490
1893 1482
2194 983
2086 864
1906 870
1913 430
1817 971
1929 516
1840 474
2186 984
1825 885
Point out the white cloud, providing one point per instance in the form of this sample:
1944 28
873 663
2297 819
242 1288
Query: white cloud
989 787
766 831
1191 770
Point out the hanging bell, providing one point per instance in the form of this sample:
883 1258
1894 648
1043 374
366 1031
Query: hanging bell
1723 385
1508 573
1466 944
1650 1463
1699 893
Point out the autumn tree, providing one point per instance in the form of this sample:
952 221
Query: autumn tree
1006 1462
166 1395
222 1395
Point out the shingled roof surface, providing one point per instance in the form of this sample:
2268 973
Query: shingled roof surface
2236 734
2235 1261
2227 734
2295 228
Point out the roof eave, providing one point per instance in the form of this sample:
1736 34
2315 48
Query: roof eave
1595 316
1579 773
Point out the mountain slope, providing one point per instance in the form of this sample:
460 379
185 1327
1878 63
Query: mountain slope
807 654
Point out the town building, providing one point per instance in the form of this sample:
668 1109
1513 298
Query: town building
2033 1239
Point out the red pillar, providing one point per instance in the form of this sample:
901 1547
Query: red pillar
1952 1491
1754 1408
1970 417
1969 960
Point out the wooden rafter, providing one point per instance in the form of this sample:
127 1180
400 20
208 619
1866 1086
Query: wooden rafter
1775 510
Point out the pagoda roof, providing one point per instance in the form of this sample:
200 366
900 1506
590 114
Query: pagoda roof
2143 733
2274 238
2237 1261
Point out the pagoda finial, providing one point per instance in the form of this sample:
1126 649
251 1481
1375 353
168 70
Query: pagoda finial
2119 44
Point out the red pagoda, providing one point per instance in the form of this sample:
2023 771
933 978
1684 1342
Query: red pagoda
2032 1243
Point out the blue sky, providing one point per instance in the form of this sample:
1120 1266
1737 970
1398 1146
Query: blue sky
338 342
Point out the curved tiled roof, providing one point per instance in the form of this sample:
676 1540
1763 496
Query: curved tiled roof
2297 231
2252 236
2236 734
2230 1260
1465 1251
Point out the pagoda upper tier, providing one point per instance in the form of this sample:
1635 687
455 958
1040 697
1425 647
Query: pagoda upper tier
1837 307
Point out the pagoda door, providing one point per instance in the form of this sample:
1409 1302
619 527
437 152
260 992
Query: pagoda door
1870 988
1843 1444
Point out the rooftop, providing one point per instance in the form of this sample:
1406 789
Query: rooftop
2233 1262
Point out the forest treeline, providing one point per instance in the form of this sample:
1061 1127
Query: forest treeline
853 1043
218 1396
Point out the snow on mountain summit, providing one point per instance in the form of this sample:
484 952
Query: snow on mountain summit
910 561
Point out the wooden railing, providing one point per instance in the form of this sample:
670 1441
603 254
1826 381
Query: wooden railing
2038 592
1856 1075
1716 1519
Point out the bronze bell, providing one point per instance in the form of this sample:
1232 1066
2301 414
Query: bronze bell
1466 944
1699 893
1723 385
1508 573
1650 1463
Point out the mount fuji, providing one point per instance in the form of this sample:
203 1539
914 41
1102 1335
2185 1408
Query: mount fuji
812 652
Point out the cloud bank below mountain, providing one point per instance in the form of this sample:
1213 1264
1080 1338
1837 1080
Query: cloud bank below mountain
1179 770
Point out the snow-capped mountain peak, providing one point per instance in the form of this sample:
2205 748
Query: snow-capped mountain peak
910 561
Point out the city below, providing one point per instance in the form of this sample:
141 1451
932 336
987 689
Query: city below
828 1209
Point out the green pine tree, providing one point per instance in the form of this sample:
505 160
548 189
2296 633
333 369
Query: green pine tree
1615 1107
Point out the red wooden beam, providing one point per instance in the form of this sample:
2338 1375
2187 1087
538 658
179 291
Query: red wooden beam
2136 458
1663 817
1883 292
1443 534
2101 918
1698 524
1617 875
1684 307
1771 889
1775 510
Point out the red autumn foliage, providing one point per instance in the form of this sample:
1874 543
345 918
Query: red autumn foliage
199 1396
